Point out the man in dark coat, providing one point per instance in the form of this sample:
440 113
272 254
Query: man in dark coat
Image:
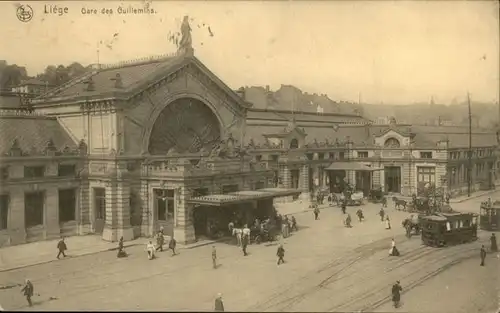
344 206
483 255
28 291
382 214
396 294
214 257
281 254
61 246
294 224
244 244
493 240
121 253
172 244
219 305
316 212
160 240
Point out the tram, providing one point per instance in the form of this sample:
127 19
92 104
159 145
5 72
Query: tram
446 229
489 216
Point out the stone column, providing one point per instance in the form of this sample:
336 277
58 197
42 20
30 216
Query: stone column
117 207
16 226
286 176
146 209
183 224
304 183
52 229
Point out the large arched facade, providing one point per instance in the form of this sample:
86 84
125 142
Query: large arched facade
186 125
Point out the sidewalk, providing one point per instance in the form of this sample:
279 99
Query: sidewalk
476 194
42 252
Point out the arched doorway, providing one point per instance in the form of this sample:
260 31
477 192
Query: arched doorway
185 126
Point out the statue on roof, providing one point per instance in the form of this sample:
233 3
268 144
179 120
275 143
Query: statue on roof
186 43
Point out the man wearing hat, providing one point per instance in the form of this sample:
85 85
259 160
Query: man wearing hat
219 305
483 255
396 294
28 291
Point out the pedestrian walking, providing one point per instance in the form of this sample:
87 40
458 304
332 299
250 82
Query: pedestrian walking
172 244
344 206
493 240
396 294
348 220
360 215
281 254
160 240
382 214
294 224
387 222
150 248
61 246
214 257
28 291
219 304
316 212
244 244
483 255
393 251
384 202
121 253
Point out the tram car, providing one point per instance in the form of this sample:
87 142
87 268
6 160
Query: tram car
489 216
447 229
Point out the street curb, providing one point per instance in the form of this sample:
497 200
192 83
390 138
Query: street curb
474 196
71 257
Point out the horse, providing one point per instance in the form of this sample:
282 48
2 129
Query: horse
238 232
398 203
411 224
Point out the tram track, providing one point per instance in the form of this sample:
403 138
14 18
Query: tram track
373 296
360 253
426 262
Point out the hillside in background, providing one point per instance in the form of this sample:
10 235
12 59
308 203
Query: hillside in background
483 114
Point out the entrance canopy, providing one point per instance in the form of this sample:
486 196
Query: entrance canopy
243 196
352 166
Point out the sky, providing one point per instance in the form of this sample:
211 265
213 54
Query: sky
379 51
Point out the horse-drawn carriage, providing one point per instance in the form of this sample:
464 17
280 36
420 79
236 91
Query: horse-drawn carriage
412 225
448 228
376 195
265 232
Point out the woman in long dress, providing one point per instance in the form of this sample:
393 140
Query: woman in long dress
393 251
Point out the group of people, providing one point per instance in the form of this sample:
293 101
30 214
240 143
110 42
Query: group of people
151 248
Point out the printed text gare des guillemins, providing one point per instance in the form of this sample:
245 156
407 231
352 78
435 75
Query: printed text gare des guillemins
59 10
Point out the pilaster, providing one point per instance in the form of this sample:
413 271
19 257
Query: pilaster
16 226
52 229
304 183
183 223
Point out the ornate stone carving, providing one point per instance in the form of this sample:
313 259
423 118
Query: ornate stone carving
82 147
186 42
15 150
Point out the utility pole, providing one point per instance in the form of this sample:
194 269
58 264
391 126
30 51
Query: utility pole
469 167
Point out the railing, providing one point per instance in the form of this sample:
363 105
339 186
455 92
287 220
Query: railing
19 112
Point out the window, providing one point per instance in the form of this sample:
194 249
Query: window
259 185
392 143
426 155
34 171
426 174
258 157
199 192
4 212
294 175
310 156
33 208
4 173
274 157
229 188
362 154
165 204
321 156
332 155
67 205
294 144
66 170
341 155
100 203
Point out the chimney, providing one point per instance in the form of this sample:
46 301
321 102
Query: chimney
118 81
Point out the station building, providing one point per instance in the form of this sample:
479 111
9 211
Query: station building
163 142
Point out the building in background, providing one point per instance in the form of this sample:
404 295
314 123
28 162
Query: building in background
127 148
32 88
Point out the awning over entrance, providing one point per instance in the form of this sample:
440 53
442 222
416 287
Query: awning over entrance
352 166
243 196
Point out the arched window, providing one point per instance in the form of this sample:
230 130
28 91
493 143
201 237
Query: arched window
392 143
294 144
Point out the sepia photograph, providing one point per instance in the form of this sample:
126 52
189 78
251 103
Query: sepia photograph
250 156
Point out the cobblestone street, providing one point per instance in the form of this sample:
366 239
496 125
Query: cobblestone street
328 268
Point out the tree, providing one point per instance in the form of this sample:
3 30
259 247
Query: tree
11 75
57 75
